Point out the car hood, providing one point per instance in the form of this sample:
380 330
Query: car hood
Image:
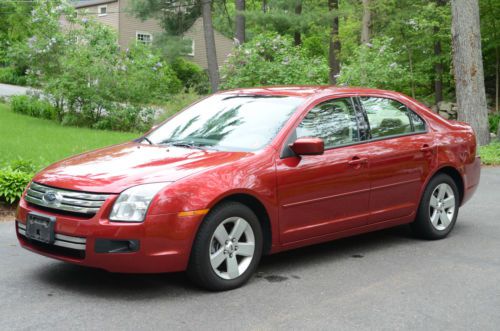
116 168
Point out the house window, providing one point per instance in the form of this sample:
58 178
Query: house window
144 37
190 47
102 10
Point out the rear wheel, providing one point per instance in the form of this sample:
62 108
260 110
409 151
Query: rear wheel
227 248
438 208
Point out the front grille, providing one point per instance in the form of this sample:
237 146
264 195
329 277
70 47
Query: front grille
64 200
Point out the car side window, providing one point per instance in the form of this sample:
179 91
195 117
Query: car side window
389 117
334 121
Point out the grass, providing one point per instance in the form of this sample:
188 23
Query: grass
44 142
490 154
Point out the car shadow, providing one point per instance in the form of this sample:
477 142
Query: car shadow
96 282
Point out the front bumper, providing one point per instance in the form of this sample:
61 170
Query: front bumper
165 240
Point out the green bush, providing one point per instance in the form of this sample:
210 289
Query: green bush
494 119
271 59
13 183
127 118
10 75
191 75
176 104
33 106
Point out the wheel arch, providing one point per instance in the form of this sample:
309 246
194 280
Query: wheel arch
455 174
260 211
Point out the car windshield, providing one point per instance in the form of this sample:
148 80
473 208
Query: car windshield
227 122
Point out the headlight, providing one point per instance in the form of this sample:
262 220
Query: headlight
133 203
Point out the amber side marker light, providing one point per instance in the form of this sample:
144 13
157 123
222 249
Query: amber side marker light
193 212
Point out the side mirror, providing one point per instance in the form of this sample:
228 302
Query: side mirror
308 146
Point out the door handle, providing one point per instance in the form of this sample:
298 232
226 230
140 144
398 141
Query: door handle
357 161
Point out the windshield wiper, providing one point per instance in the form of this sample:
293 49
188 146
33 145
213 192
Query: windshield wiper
147 139
180 143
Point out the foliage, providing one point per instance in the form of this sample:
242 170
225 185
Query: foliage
176 104
127 118
191 75
15 27
271 59
490 154
375 66
33 106
10 75
494 120
12 183
87 78
175 16
43 141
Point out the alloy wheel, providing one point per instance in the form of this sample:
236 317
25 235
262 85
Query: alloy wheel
442 206
232 248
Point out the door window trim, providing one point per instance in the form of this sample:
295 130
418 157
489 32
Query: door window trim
370 139
286 152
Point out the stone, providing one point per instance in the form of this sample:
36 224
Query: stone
445 105
444 114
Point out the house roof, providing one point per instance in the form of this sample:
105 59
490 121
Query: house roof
88 3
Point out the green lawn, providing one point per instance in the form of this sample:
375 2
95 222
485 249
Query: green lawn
490 154
44 141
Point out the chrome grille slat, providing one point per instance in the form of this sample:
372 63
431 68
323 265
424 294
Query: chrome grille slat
62 240
70 201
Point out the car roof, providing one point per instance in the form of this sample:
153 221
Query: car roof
304 90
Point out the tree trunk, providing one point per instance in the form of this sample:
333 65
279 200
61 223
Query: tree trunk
213 67
334 50
296 36
240 21
497 82
438 66
366 23
264 6
468 67
438 69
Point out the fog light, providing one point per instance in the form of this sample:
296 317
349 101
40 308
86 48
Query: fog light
116 246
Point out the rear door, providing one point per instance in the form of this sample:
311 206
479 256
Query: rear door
401 155
322 194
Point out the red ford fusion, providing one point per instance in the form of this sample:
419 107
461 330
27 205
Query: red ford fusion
249 172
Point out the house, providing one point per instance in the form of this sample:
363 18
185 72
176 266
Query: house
130 29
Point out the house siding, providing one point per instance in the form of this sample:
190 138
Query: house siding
111 19
129 25
126 25
223 45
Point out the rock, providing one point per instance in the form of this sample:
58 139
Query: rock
444 114
445 105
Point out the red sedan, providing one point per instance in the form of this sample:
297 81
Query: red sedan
249 172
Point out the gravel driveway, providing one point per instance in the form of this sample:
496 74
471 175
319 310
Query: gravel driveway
383 280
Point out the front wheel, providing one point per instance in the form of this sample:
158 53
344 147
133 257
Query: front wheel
438 210
227 248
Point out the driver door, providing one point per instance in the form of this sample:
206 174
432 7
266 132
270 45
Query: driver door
322 194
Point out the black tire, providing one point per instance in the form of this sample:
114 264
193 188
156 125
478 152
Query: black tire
422 226
200 270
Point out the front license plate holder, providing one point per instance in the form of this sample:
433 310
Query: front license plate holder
40 227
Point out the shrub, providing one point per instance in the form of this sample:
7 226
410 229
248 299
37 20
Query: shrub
127 118
33 106
494 120
10 75
271 59
191 75
87 77
13 183
176 104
